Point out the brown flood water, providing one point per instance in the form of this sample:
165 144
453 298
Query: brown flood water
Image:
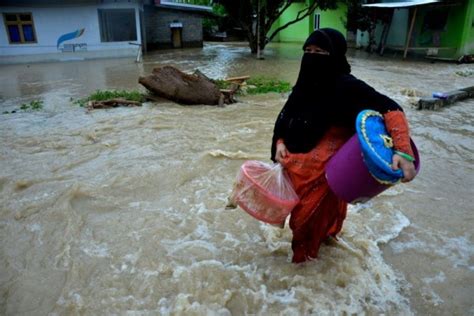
122 210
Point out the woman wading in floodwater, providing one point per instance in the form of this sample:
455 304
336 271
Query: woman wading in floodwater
318 118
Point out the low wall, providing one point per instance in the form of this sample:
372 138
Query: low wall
26 59
158 31
446 98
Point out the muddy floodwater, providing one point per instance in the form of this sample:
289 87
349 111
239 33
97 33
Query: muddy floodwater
122 211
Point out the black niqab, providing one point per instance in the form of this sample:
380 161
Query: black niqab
318 68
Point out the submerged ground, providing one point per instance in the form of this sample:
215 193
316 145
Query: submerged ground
123 210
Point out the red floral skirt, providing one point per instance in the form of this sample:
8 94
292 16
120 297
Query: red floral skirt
319 214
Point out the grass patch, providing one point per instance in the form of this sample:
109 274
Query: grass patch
101 95
258 85
222 84
34 105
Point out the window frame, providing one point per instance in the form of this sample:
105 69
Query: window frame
19 23
316 20
103 36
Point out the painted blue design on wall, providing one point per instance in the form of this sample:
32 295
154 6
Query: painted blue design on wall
69 36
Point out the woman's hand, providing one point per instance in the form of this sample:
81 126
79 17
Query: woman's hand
281 152
408 167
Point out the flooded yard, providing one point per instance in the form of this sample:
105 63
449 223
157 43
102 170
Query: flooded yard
123 210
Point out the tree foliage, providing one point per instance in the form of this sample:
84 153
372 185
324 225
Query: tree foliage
249 13
366 19
358 18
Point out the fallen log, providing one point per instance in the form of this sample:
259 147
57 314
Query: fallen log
238 79
173 84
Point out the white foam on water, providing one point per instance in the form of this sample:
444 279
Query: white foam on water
232 155
400 223
96 250
428 293
383 222
274 284
459 250
37 230
439 278
72 299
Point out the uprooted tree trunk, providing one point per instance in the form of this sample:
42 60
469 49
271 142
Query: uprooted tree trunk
173 84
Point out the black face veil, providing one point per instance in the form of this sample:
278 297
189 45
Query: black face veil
317 68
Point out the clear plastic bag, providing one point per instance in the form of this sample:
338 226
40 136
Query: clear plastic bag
264 191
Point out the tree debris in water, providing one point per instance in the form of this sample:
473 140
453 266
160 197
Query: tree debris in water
111 103
102 99
171 83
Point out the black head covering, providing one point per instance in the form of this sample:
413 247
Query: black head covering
317 68
328 39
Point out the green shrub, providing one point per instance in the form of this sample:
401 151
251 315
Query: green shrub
222 84
34 105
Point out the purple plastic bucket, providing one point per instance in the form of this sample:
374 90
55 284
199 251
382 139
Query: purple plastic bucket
348 176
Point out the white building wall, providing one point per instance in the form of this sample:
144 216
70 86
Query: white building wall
399 28
52 22
397 34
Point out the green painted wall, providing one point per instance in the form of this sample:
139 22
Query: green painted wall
458 32
298 32
334 18
467 38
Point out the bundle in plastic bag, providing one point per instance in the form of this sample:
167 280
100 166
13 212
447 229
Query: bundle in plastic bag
264 191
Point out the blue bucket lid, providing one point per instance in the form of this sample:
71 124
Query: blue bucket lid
377 147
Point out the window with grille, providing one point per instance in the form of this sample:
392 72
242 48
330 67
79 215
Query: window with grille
20 28
117 25
436 20
317 20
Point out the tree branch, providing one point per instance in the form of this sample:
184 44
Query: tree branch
309 10
271 20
